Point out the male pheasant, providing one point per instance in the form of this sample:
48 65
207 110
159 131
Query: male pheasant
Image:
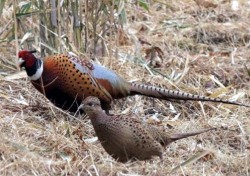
66 80
126 138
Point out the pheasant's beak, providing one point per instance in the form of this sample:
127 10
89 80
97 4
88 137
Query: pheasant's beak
20 62
81 106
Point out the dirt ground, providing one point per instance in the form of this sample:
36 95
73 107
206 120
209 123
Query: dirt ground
198 50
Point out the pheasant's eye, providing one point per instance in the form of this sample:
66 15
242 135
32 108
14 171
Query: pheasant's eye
91 104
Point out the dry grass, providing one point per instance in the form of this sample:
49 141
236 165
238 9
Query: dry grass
206 51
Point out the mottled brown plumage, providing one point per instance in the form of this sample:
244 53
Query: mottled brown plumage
65 80
126 138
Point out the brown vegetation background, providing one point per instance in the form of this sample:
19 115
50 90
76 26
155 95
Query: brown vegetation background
192 46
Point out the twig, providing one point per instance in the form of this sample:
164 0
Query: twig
15 28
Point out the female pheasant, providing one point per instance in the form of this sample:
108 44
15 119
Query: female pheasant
126 138
66 80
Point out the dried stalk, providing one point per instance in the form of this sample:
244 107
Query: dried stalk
15 29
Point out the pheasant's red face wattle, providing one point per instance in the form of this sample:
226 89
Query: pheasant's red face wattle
26 58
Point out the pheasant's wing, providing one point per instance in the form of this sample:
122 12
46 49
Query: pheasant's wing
116 86
132 135
87 68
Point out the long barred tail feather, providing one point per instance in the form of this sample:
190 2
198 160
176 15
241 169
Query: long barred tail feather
167 94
